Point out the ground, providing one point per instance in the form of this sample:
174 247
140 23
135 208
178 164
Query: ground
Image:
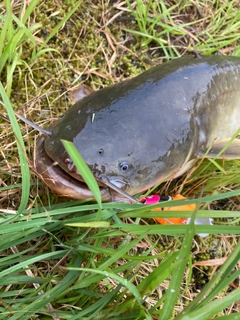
57 260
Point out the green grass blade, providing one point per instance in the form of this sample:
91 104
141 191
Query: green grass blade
93 310
94 224
121 252
173 290
24 32
233 316
84 170
27 262
31 6
5 20
10 71
112 275
172 229
10 28
211 309
21 151
161 273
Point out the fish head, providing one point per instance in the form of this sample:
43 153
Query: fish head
109 159
117 156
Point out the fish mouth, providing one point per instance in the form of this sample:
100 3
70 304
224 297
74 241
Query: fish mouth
117 185
65 185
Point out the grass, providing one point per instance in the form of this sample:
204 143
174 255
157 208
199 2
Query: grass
64 259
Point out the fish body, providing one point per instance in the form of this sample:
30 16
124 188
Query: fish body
153 127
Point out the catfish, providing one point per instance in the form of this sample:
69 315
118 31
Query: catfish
152 128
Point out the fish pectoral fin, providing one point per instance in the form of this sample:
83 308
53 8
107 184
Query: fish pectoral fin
231 152
80 92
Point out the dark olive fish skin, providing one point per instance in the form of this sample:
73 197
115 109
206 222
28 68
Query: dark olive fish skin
153 127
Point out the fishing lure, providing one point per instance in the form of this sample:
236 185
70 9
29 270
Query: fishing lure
154 199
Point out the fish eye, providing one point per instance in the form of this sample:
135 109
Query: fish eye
124 165
100 152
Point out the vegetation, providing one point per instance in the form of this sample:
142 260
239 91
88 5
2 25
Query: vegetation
63 259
